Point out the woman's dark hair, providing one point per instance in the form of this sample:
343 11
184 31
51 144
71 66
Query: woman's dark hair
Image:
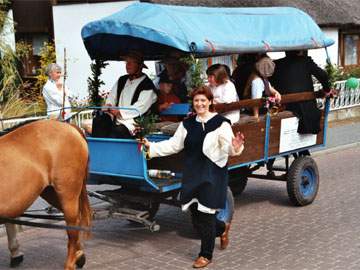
204 90
219 71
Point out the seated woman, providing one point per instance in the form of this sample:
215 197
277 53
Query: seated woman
166 97
223 89
258 85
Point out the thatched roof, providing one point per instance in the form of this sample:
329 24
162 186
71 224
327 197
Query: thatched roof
341 13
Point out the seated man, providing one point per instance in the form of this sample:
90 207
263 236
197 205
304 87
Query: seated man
134 90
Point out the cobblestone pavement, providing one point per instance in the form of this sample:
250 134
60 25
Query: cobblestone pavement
267 231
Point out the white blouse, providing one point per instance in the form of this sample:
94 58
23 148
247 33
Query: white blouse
217 144
226 93
217 147
54 100
257 88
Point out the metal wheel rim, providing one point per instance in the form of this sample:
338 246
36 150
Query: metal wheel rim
308 182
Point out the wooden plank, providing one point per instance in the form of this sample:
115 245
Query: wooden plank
254 132
250 103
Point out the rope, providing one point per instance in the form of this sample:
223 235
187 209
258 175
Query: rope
43 225
63 227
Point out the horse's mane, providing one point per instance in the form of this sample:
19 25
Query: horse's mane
10 129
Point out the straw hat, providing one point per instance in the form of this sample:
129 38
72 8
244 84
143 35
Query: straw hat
265 66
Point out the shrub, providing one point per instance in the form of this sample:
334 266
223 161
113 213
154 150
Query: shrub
47 56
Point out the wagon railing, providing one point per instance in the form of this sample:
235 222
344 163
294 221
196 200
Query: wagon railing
250 103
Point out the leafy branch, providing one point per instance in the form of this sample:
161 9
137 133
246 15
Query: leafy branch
195 70
94 82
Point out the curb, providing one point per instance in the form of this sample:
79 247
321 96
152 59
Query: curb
335 149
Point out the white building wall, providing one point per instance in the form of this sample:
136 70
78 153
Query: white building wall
7 34
68 22
319 55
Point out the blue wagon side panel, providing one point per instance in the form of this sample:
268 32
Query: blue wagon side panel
109 157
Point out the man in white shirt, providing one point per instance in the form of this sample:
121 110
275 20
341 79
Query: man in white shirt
135 92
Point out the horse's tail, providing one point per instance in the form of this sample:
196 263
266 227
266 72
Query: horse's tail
84 206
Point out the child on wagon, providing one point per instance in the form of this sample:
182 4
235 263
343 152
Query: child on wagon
166 97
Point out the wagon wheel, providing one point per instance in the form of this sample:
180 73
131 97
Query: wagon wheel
303 181
238 185
238 180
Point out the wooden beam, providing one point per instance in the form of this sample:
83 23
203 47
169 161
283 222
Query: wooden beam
250 103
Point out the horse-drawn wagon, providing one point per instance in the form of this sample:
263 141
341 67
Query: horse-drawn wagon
159 30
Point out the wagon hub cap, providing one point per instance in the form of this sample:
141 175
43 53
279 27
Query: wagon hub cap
307 184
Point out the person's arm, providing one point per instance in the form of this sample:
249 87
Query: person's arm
319 74
168 147
220 144
141 106
112 95
230 144
111 101
274 93
257 88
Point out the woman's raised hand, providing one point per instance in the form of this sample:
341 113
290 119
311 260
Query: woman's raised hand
238 141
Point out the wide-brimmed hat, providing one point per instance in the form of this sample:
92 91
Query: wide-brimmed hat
175 61
164 78
265 66
137 56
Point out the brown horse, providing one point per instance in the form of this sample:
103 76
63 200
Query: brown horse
49 159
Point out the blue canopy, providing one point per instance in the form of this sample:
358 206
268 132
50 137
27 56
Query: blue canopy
156 30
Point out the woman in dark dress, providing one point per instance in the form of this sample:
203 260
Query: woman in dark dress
208 141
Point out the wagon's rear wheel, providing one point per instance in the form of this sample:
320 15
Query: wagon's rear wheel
303 181
238 185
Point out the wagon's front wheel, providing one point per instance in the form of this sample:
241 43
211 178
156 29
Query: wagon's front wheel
303 181
238 179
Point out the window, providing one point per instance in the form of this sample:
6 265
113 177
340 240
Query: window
350 52
351 49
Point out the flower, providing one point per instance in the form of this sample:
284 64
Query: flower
271 105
